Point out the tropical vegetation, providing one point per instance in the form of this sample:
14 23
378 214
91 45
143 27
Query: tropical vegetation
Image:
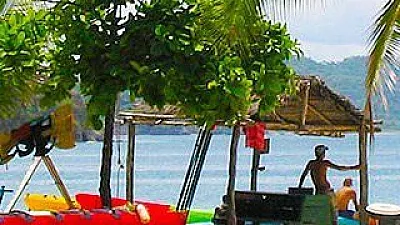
384 53
23 39
165 52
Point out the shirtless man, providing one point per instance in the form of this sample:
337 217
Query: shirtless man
318 168
343 197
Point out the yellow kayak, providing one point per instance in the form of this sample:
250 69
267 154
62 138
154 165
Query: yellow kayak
41 202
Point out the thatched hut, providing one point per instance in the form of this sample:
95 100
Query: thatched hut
315 110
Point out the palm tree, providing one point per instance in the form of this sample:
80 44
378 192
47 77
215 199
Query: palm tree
384 53
383 63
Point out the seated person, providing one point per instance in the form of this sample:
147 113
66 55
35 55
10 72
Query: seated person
343 197
221 210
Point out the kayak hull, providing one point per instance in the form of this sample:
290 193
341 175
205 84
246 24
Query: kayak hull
91 213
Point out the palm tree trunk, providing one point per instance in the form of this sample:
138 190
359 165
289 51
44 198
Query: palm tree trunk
105 172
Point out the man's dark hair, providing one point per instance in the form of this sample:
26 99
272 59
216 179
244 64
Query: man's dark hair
320 150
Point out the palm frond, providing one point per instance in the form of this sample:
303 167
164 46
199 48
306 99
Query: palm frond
229 21
280 9
5 5
18 5
2 4
384 51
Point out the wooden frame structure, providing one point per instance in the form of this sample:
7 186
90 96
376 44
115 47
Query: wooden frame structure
315 110
54 174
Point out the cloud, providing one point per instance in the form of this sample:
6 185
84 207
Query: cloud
336 30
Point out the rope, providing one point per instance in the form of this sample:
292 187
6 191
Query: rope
119 161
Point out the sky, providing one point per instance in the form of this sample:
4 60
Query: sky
337 30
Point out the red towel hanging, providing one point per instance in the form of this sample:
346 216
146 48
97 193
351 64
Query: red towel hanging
255 136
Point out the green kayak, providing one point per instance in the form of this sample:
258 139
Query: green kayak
205 216
200 216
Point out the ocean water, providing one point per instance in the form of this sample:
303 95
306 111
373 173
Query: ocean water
161 162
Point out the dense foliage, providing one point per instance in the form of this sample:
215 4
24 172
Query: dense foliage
159 53
22 57
180 66
162 56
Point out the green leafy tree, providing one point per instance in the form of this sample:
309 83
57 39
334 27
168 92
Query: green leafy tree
208 83
88 52
157 54
106 53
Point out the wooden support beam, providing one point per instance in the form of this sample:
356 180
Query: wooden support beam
280 118
24 183
163 122
146 115
306 96
320 115
363 173
294 127
57 179
28 176
345 128
279 126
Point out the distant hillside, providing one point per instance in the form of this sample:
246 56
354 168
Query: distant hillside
347 78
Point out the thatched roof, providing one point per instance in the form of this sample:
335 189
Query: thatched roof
315 110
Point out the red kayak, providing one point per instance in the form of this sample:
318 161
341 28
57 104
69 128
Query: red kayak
92 214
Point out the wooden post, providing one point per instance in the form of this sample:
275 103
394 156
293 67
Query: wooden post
28 176
130 163
232 174
254 170
363 174
305 103
57 179
24 183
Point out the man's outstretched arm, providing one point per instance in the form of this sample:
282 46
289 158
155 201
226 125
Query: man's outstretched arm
339 167
304 174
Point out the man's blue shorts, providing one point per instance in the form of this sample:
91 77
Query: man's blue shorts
346 213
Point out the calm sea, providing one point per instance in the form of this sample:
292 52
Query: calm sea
161 162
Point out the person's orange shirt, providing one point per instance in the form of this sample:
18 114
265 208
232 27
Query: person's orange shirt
343 197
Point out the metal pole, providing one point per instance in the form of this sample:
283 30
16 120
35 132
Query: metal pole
198 168
190 173
130 163
254 170
186 183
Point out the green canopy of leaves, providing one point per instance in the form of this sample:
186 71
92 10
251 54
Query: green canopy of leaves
180 65
161 53
22 56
